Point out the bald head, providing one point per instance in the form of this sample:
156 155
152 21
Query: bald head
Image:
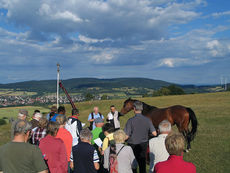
95 109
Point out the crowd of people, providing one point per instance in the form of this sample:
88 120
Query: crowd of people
57 144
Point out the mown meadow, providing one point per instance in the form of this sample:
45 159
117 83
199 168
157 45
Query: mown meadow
211 147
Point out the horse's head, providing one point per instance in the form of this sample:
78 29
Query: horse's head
127 107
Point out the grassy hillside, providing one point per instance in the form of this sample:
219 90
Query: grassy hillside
211 147
76 84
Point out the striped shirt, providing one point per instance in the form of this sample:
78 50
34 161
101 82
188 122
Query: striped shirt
95 157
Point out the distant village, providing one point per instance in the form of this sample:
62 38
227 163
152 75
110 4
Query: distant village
29 100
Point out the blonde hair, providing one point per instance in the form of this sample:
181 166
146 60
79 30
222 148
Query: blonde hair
119 136
61 119
174 143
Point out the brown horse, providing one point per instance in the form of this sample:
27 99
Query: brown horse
179 115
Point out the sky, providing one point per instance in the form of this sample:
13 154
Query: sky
180 41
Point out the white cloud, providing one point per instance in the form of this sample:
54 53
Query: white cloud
92 40
67 15
219 14
172 62
212 44
44 9
114 34
104 57
115 19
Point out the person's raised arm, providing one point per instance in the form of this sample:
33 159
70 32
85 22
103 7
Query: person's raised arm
120 114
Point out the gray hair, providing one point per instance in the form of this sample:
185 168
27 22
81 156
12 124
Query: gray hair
86 134
119 136
138 105
164 126
22 127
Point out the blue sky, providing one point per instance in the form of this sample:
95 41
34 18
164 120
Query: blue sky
181 41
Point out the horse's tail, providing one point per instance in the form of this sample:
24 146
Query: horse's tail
193 119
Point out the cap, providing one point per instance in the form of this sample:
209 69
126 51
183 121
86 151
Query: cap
98 120
22 112
38 115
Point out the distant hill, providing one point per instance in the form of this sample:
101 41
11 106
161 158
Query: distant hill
76 84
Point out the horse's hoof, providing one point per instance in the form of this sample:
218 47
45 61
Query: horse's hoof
186 150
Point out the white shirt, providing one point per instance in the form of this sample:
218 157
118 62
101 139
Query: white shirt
157 151
115 118
72 128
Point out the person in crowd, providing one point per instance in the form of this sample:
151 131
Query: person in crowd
35 119
113 117
53 150
53 111
157 150
92 116
98 133
19 156
36 111
22 115
108 130
175 164
74 126
65 136
39 132
137 130
119 158
85 156
61 111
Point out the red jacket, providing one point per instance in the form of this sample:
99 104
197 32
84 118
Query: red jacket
54 152
67 138
174 164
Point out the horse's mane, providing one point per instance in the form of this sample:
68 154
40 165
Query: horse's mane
146 107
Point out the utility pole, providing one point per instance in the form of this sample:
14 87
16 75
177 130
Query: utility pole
58 79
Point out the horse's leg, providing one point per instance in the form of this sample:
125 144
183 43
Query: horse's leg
183 128
188 140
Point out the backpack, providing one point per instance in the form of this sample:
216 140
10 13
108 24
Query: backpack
71 125
92 117
79 126
113 163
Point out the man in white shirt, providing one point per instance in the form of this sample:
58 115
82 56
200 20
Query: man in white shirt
157 149
113 117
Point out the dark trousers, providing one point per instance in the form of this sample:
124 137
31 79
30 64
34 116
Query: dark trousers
139 151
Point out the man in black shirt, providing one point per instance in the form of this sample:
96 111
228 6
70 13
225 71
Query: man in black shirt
85 157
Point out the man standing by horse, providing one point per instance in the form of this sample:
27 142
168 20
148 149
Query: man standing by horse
137 130
113 117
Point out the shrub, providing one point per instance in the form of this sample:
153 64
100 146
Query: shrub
2 122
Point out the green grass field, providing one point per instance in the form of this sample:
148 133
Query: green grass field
211 147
